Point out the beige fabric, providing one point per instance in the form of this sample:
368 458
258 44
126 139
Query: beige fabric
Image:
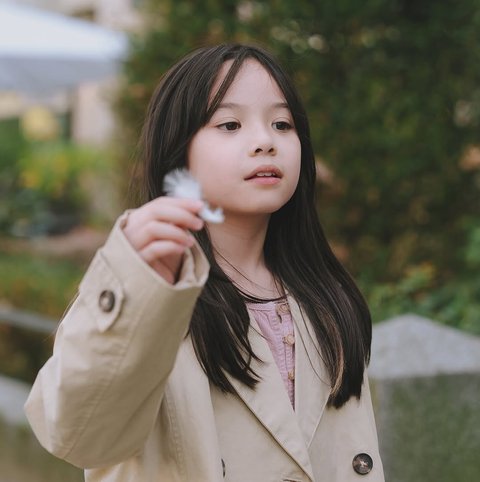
124 396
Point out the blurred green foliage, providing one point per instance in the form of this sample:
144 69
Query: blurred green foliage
392 89
36 283
12 145
39 284
54 187
46 186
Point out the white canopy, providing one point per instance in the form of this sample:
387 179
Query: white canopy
42 51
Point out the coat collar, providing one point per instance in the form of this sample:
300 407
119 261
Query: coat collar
312 387
269 401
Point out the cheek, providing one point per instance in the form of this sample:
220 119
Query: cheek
207 161
216 182
297 155
197 159
200 164
202 151
192 162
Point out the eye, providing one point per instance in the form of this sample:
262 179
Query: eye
282 126
229 126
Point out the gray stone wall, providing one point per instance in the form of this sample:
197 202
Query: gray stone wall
425 380
429 428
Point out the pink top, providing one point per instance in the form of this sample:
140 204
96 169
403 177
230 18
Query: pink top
275 321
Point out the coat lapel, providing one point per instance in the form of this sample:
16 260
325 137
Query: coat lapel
269 402
312 387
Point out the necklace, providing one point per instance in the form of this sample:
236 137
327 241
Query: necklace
245 293
255 299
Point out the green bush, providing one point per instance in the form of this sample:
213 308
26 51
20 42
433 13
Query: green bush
12 146
38 284
52 188
453 299
392 91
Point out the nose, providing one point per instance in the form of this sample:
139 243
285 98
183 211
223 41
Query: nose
268 150
262 143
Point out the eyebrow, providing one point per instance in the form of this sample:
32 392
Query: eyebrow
233 105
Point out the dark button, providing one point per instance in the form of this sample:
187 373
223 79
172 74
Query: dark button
362 464
106 301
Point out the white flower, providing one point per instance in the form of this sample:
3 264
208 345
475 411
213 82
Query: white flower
180 183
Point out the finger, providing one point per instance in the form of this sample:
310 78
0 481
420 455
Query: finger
161 249
178 215
157 231
165 212
167 273
192 205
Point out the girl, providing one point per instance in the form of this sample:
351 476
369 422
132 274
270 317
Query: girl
208 352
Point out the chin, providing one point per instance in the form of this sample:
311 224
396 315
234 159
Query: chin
265 209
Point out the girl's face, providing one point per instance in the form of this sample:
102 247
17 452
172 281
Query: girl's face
247 157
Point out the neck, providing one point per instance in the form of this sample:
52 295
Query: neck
238 246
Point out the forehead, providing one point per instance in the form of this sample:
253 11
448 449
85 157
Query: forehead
252 79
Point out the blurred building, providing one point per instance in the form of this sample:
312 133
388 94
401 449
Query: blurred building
87 107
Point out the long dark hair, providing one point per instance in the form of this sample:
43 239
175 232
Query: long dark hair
296 250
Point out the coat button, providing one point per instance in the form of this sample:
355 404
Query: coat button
106 301
362 464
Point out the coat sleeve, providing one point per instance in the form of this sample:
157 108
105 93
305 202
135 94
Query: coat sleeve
96 399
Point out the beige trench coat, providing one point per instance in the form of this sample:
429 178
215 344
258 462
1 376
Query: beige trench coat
124 396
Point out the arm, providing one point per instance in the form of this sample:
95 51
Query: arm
96 399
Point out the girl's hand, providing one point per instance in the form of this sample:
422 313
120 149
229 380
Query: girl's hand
159 232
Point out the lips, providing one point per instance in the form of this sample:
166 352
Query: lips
264 172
